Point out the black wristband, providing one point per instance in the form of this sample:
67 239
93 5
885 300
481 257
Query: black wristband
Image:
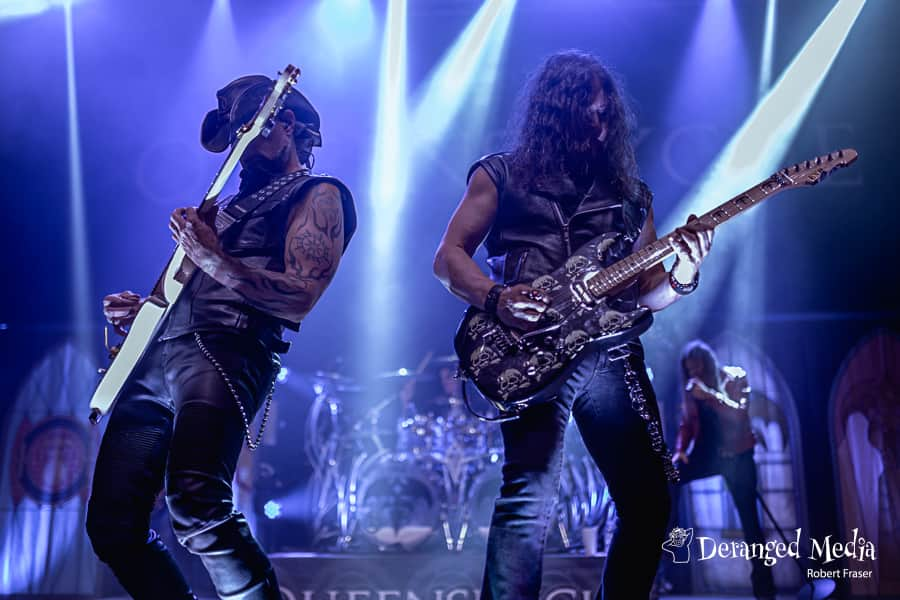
493 298
683 289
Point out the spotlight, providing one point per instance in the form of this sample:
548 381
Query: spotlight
765 66
80 273
472 58
11 9
272 509
345 23
282 375
389 173
477 47
753 153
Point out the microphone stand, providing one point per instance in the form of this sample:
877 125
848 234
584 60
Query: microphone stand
813 589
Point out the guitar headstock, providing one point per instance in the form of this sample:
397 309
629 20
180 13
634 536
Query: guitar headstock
264 119
813 171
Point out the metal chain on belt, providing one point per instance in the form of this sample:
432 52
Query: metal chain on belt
251 443
654 427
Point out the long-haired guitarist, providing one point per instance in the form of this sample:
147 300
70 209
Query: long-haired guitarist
570 177
715 438
181 420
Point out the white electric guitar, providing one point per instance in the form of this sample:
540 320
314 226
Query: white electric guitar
146 324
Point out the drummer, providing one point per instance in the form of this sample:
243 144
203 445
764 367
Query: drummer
431 391
425 407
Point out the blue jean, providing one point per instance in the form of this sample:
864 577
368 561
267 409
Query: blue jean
617 438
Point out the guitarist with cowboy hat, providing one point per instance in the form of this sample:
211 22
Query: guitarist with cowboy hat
182 418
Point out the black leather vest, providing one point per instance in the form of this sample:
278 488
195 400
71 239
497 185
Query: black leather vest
257 239
538 228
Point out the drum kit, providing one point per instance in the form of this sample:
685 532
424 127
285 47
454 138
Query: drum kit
416 470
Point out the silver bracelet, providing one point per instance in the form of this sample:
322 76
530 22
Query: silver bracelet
683 289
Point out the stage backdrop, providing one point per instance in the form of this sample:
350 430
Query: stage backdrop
865 409
48 457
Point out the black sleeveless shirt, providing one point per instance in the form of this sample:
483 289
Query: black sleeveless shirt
257 239
538 227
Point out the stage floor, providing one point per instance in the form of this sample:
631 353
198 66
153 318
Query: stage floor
779 597
402 576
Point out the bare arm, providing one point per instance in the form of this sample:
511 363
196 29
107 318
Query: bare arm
519 305
453 264
312 251
655 291
691 247
687 428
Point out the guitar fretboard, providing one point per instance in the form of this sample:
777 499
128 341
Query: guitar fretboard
625 270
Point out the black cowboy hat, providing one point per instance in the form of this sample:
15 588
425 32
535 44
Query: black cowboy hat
239 101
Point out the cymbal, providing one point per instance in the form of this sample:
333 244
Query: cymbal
332 381
447 360
402 374
331 376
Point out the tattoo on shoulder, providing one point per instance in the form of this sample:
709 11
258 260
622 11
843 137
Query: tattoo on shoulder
318 237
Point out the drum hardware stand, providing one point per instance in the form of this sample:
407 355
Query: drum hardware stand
349 514
463 532
561 525
813 589
445 524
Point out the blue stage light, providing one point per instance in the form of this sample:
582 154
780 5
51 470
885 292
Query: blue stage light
388 187
272 509
282 375
11 9
81 282
765 65
347 24
473 55
754 152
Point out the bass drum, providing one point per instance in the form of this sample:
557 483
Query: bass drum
398 506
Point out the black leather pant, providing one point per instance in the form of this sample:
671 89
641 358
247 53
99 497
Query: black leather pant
178 424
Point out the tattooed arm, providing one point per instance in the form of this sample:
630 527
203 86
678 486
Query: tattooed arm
312 251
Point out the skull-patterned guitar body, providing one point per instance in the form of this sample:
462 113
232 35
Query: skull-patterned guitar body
515 369
511 366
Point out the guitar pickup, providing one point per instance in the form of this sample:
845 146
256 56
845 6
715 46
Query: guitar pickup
580 291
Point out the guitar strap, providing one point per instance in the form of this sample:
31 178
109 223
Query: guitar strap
236 210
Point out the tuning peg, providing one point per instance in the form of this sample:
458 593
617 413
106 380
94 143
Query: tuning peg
841 153
818 160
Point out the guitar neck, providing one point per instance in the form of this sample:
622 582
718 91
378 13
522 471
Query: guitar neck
222 175
631 266
215 188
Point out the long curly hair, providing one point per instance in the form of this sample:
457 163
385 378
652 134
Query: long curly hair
700 351
555 133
